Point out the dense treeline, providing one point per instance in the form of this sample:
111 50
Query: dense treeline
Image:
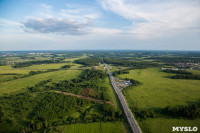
40 86
93 74
133 81
65 66
124 71
183 76
130 63
189 112
186 112
29 63
177 71
144 114
93 61
111 113
55 105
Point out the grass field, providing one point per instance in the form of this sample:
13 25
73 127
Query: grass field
164 125
108 127
45 66
20 84
112 94
159 91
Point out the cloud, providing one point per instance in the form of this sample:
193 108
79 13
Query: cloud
106 31
72 20
5 22
52 25
154 18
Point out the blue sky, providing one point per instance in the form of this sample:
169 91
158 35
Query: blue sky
99 24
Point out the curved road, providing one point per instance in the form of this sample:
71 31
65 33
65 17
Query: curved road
131 119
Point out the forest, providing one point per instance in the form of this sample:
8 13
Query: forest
92 61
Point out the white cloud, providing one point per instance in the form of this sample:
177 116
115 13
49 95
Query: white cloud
5 22
155 18
106 31
52 25
72 20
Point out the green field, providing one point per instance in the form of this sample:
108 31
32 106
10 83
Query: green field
107 127
159 91
19 84
164 125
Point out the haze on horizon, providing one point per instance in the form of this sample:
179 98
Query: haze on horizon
99 24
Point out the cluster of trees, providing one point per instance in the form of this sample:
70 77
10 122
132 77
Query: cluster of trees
53 105
183 76
93 61
65 66
124 71
186 112
144 114
177 71
40 86
29 63
189 112
9 77
111 113
37 111
93 74
133 81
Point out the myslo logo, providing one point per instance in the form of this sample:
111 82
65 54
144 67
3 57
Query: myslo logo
194 129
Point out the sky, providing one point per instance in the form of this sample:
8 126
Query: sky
99 25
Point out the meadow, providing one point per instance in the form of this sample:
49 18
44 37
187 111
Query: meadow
100 127
20 84
157 91
164 125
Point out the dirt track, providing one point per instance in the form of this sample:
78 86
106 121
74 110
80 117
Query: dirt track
84 97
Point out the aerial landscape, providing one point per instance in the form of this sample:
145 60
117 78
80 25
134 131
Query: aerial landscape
109 66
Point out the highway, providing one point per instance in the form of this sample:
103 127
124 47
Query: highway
131 119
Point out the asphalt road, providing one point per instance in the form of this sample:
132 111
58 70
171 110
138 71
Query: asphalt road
131 119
